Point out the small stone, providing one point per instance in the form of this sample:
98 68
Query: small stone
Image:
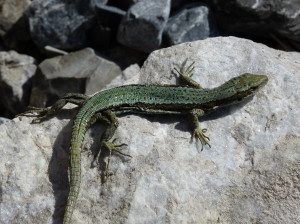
80 71
260 18
11 11
142 27
193 22
60 24
16 71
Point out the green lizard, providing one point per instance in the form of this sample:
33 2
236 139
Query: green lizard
190 99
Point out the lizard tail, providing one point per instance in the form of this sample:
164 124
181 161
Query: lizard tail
79 129
75 179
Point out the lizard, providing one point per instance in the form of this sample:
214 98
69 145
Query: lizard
189 99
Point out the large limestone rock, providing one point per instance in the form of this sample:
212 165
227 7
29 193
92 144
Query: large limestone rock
250 175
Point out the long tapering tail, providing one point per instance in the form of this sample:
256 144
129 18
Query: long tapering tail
78 132
75 179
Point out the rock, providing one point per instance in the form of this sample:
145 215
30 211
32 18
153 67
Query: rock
250 175
130 75
81 71
103 35
142 27
60 24
11 11
97 2
18 38
16 71
3 120
260 18
177 3
125 56
190 23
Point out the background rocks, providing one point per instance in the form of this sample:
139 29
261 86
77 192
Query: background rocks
143 25
16 71
60 24
192 22
125 33
11 12
260 18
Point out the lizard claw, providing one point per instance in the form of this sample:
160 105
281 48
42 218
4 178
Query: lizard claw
186 71
41 113
199 134
111 146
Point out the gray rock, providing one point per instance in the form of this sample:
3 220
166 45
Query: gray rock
176 3
193 22
81 71
16 71
94 3
106 14
11 11
18 37
250 175
130 75
260 17
103 35
3 120
60 24
142 27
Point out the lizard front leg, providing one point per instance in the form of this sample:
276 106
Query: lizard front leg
186 72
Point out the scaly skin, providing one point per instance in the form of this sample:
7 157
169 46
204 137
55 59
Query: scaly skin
191 100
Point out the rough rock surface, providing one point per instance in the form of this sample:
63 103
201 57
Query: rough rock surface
60 24
16 70
11 11
260 17
250 175
73 72
190 23
143 25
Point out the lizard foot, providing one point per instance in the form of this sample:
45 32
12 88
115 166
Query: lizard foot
184 71
112 147
42 113
200 134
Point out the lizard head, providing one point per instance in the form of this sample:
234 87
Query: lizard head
249 82
240 88
236 90
245 86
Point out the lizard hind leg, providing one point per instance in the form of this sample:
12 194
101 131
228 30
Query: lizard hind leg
110 119
43 113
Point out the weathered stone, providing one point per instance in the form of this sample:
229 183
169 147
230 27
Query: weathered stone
60 24
4 120
81 71
193 22
103 35
11 11
18 37
16 71
142 27
250 175
260 17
